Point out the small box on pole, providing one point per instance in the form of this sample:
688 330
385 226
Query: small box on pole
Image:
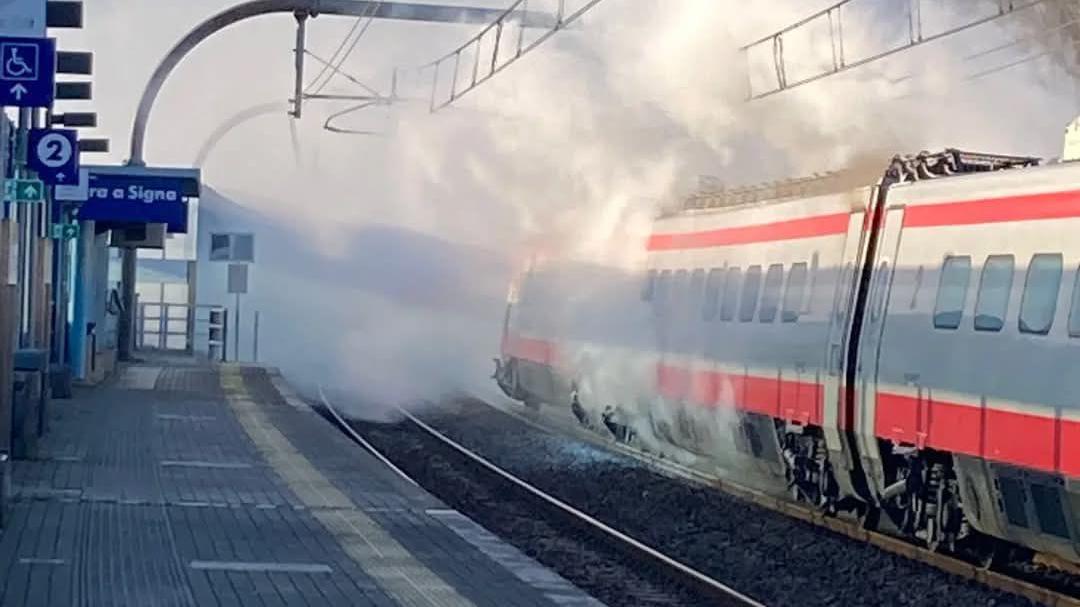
64 14
74 91
77 63
76 119
100 146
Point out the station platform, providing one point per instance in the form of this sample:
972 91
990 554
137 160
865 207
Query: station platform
182 483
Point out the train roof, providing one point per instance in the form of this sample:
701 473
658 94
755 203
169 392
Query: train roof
900 169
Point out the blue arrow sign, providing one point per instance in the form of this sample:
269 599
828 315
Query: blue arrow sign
27 72
54 154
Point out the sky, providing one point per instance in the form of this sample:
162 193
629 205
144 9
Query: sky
570 150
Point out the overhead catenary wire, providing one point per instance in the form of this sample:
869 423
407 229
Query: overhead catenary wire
517 10
841 63
1022 39
344 75
333 57
335 69
993 70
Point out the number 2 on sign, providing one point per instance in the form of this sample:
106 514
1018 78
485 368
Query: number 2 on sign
54 150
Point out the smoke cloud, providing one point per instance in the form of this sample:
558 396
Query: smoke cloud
387 275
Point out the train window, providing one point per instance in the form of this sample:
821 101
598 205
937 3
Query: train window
842 293
918 286
750 290
679 287
662 291
649 287
995 285
770 295
795 292
814 274
1041 289
1074 310
731 294
881 287
697 291
713 285
952 292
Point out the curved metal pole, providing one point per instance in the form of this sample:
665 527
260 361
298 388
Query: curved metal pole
254 8
234 121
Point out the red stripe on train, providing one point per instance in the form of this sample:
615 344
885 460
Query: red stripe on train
788 399
1033 441
1053 205
533 350
791 229
1022 439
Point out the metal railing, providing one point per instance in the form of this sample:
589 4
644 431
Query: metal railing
204 330
179 327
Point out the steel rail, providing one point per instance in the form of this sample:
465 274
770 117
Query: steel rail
647 551
700 578
345 427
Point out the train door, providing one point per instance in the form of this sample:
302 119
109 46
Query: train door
836 422
871 339
835 417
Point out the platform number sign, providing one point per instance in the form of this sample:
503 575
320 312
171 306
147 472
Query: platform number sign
54 154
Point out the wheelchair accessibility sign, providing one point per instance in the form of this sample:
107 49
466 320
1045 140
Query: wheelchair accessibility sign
27 72
20 61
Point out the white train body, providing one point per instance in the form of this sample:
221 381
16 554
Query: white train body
910 348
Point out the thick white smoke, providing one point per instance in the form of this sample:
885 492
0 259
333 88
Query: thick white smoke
408 239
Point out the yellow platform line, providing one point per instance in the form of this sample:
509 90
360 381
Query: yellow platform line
408 581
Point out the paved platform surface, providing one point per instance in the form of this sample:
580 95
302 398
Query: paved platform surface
184 484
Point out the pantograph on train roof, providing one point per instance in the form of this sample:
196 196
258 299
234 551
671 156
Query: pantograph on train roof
901 168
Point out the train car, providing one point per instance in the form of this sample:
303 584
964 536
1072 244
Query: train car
968 396
754 304
900 350
572 328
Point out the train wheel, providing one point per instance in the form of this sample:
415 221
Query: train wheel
580 413
869 516
986 554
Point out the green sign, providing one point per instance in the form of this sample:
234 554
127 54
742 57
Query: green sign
24 190
65 231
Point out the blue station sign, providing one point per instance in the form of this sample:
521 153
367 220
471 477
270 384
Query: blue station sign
126 195
27 72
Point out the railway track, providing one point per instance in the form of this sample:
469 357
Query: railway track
608 564
994 579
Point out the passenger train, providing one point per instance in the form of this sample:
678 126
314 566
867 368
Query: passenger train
907 351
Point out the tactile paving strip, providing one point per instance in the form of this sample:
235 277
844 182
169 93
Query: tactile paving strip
382 557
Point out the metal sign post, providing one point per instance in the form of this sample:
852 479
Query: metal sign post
238 285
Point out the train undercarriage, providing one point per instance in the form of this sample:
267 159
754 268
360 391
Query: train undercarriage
921 500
